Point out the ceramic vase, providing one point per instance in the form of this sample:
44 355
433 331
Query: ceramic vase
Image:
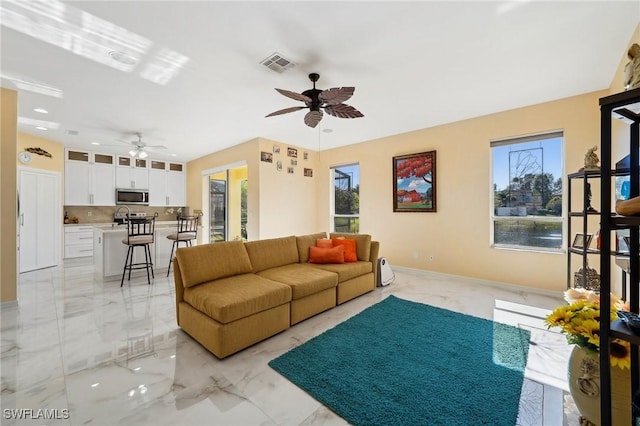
584 385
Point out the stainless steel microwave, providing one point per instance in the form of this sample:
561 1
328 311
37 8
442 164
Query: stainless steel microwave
132 196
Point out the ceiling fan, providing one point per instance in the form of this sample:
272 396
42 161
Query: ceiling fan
139 147
330 100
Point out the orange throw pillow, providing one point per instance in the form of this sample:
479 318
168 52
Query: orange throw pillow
324 243
326 255
350 254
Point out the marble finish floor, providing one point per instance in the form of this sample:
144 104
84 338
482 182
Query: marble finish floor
90 352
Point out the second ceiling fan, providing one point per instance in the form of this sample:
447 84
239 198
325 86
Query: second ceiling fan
330 100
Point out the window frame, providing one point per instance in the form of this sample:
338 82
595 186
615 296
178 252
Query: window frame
493 218
332 197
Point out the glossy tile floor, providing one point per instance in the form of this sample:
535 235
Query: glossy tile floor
115 356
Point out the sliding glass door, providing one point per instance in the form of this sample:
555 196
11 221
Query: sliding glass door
228 204
218 210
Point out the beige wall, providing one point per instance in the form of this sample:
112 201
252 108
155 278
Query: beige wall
458 235
8 203
287 201
56 149
278 203
245 152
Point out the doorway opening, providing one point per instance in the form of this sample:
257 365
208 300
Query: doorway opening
227 204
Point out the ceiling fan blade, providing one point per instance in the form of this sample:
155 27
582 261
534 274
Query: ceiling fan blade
312 118
294 95
343 111
286 110
155 146
336 95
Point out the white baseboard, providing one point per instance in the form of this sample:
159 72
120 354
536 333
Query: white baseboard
509 286
8 305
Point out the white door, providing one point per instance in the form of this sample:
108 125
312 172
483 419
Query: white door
39 221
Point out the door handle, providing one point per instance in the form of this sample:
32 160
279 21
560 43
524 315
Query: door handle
22 219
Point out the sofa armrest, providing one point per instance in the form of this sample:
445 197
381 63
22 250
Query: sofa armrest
177 278
373 258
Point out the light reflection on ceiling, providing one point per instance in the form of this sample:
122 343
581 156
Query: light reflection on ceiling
38 123
91 37
29 85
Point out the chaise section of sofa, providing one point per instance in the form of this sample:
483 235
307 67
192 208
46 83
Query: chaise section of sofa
355 278
221 303
278 259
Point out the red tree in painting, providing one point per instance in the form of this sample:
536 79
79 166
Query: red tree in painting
415 167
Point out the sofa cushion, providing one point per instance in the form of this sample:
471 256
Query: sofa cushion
229 299
326 255
271 253
346 271
303 279
349 244
324 243
208 262
304 242
363 244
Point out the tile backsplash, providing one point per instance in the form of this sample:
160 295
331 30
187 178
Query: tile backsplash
104 214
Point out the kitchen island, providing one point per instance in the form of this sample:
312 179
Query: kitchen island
109 253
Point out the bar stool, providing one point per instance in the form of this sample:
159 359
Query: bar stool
140 233
187 232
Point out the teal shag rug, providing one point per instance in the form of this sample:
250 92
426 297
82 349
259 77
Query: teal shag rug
406 363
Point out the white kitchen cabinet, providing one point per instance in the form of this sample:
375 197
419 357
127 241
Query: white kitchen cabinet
167 184
77 184
132 173
89 179
78 241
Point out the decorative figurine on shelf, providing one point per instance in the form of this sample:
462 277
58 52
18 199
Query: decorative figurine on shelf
632 69
589 207
591 160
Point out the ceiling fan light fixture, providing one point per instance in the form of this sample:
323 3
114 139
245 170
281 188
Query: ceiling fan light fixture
142 154
133 152
330 100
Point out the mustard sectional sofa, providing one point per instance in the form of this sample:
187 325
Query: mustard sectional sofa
230 295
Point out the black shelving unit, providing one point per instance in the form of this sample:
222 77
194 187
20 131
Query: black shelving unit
620 107
586 213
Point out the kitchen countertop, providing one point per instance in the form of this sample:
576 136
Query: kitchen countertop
108 225
113 227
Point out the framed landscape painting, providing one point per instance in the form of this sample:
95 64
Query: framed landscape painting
414 182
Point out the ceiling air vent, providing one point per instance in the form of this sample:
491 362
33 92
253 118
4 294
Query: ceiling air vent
71 132
277 63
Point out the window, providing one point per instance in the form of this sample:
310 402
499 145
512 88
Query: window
527 192
346 198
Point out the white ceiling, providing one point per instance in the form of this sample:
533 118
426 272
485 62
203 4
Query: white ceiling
414 65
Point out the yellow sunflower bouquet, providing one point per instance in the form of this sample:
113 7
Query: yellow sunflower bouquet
580 321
